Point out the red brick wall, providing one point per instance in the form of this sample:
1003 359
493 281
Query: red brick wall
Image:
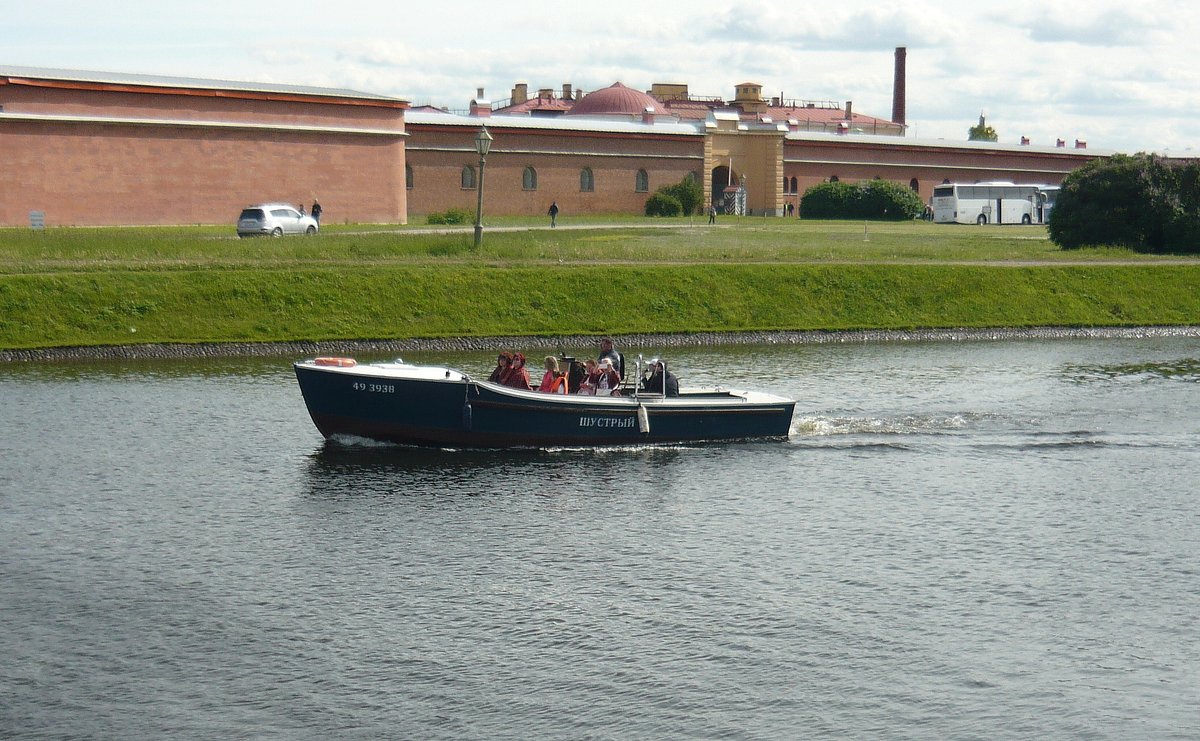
227 149
438 154
139 167
199 105
102 174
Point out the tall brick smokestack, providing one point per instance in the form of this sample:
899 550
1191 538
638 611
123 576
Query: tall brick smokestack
898 87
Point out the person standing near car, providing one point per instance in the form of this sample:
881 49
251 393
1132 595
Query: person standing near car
316 211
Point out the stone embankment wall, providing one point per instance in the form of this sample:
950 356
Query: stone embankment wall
652 342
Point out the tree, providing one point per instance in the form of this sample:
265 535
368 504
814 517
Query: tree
981 132
1136 201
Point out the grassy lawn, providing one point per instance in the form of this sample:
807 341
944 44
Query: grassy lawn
64 287
513 242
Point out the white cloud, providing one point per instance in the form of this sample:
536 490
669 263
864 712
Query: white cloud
1098 27
1123 76
836 27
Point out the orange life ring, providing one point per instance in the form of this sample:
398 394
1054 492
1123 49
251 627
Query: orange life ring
339 362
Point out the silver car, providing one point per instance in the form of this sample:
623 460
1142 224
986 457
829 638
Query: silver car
274 219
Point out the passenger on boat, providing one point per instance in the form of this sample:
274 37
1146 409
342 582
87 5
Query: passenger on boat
607 380
618 360
518 376
503 366
553 382
661 380
591 373
575 375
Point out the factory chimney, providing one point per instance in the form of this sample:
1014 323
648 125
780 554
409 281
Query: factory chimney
898 87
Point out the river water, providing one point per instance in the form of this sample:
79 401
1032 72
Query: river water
960 540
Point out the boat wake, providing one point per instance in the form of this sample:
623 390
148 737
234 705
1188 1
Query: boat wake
909 424
1186 369
355 441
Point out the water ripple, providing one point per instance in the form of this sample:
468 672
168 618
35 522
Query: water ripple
954 543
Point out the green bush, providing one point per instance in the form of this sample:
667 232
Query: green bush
1137 201
689 194
1184 232
661 204
828 201
883 199
450 216
873 199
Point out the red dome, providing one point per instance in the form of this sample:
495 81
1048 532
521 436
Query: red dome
615 100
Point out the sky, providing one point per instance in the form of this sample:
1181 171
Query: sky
1121 76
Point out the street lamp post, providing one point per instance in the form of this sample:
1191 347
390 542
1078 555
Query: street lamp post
483 142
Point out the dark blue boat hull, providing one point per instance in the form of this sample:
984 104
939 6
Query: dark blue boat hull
458 412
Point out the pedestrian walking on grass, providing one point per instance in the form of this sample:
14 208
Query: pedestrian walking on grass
553 213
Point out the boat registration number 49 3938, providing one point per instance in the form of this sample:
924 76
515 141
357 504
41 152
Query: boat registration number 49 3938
374 388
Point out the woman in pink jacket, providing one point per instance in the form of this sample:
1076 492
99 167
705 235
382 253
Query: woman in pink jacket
518 375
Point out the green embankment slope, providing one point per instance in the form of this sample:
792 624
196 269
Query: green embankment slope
191 288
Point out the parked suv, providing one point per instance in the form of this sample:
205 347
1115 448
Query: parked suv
275 219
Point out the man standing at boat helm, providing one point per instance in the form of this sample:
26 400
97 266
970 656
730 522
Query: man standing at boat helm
661 380
618 360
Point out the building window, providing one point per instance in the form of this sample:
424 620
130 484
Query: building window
914 185
529 179
694 177
408 177
833 178
468 178
641 182
587 183
795 186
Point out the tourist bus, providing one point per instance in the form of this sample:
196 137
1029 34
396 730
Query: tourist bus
992 203
1047 198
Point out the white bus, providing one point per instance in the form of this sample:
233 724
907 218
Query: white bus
1047 198
992 203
